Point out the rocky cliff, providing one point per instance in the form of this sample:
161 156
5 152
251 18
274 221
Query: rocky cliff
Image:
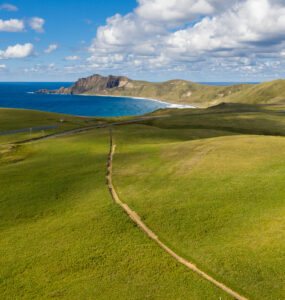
94 83
177 91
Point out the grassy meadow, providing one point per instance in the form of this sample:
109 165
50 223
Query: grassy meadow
215 196
209 183
63 237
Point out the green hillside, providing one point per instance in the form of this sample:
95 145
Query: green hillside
208 182
266 92
184 92
216 196
178 91
62 237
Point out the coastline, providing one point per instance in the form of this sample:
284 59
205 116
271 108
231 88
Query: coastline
169 105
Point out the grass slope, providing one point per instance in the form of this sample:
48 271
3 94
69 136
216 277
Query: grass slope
185 92
266 92
209 183
13 119
212 192
180 91
174 91
62 237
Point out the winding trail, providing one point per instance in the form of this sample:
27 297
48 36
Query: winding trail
136 219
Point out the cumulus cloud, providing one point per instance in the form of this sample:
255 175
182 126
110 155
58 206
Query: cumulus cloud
8 7
17 51
251 24
176 33
72 58
16 25
3 67
51 48
12 25
173 12
36 24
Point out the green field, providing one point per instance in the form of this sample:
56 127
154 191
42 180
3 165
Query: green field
210 184
11 119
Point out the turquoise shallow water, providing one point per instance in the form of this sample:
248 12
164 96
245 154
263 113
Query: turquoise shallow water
18 95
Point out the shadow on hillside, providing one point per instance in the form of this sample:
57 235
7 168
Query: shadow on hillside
226 124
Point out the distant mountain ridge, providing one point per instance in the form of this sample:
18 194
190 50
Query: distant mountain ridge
176 91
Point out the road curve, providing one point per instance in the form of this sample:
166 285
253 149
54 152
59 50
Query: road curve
136 219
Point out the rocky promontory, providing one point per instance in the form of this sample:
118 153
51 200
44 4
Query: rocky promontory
176 91
92 84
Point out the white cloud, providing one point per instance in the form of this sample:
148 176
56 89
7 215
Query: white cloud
12 25
51 48
17 51
173 12
8 7
37 24
172 34
3 66
72 58
253 24
16 25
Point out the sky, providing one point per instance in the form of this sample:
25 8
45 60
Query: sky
155 40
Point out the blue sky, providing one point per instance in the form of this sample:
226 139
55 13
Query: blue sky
70 24
198 40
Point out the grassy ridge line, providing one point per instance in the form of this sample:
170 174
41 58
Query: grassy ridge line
173 91
177 91
133 215
82 129
221 109
246 121
184 92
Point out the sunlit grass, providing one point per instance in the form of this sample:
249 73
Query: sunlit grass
218 201
63 237
210 185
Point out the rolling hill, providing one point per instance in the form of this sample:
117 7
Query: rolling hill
209 183
177 91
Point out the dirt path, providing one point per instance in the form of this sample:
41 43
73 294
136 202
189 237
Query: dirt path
134 216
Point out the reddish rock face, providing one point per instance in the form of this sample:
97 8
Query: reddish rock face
96 83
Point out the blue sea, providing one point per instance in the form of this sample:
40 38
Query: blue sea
18 95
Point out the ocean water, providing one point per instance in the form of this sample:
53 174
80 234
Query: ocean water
18 95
